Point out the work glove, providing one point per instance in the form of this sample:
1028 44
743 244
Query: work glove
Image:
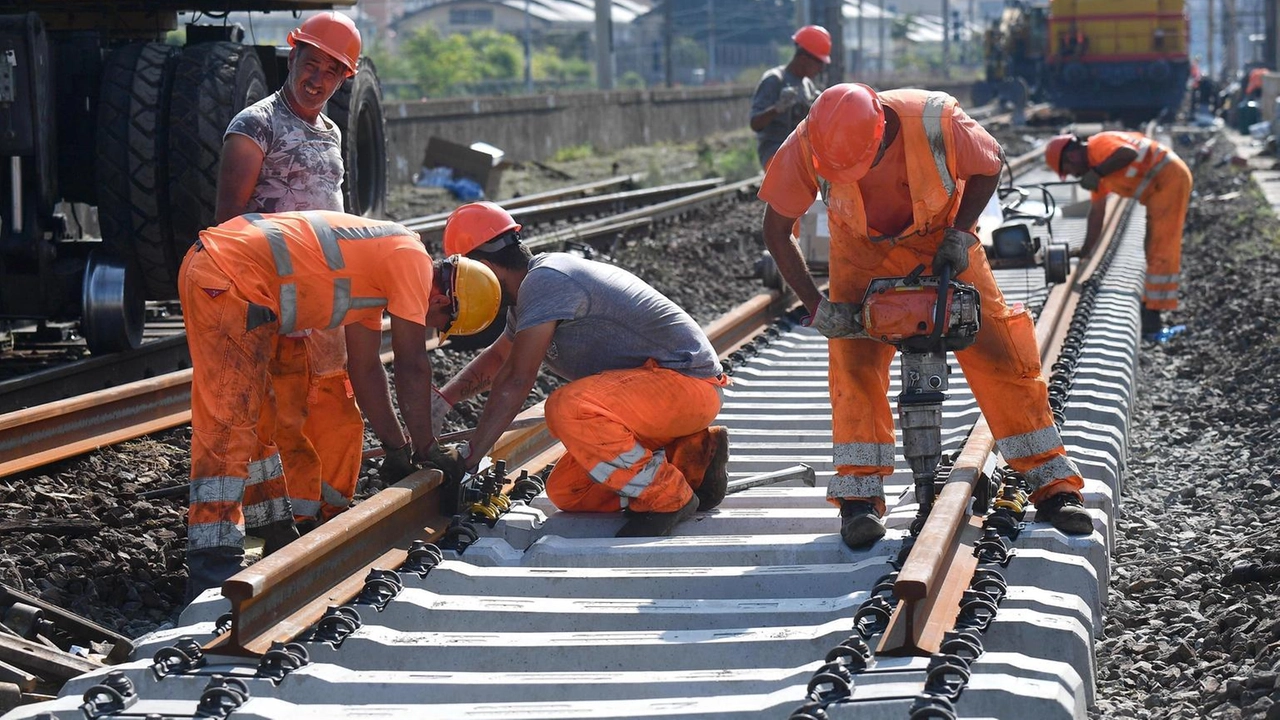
838 320
1090 179
786 99
397 464
439 409
451 461
954 251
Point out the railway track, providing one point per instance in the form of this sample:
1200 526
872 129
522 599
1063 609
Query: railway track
755 609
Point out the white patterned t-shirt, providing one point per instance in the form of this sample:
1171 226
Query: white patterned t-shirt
301 163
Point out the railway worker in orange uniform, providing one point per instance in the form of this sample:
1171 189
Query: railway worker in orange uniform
258 277
905 174
644 381
1133 166
283 154
784 93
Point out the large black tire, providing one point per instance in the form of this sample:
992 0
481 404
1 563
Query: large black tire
212 82
356 108
132 169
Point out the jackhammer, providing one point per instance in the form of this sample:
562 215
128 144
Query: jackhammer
924 317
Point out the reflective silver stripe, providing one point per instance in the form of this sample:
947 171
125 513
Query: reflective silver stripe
343 302
1163 279
267 512
1162 295
603 471
288 308
328 240
1026 445
856 486
1151 174
203 536
934 104
1143 146
863 454
275 240
372 232
330 496
305 508
1058 467
221 488
268 468
643 479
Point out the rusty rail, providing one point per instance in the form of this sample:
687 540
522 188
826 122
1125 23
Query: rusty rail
941 563
277 598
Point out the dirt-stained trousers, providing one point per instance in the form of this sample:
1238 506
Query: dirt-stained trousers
1166 204
316 423
634 439
236 475
1002 368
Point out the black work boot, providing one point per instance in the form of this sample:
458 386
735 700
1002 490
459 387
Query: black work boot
1152 322
715 481
657 524
210 567
860 526
275 535
1065 511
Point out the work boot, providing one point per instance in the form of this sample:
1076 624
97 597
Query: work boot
1152 322
657 524
275 535
715 481
210 567
860 526
1065 511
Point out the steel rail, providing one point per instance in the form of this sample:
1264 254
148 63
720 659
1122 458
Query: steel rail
277 598
568 209
941 563
590 188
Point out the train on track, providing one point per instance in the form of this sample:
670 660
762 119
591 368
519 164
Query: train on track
1120 60
98 109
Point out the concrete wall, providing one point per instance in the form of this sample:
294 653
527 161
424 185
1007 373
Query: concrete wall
534 127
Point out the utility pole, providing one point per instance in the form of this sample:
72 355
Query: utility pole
946 38
604 44
1210 68
711 40
1229 39
666 40
862 45
528 50
833 21
880 63
1269 46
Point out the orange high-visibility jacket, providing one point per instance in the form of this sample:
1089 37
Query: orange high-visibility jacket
323 269
927 138
1133 178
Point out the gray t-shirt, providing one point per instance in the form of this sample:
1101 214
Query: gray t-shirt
301 163
770 139
608 319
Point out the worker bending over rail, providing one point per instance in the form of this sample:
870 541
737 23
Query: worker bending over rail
1132 165
905 174
644 381
257 277
283 154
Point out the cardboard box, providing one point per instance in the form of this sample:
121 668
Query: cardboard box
482 167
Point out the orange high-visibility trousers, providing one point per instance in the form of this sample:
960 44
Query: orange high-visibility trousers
1166 204
236 474
633 439
317 425
1002 367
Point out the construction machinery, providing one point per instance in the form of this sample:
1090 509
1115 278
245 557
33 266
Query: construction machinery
924 317
1017 230
113 135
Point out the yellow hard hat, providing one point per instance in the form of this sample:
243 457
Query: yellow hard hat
476 296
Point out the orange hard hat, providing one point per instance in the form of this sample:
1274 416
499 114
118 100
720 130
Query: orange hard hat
332 32
474 224
1053 153
815 40
845 126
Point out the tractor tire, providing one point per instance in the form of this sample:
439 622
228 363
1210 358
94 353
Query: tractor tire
356 108
131 164
212 82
